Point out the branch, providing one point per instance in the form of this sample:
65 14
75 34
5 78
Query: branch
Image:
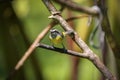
31 49
74 6
105 25
76 17
94 59
62 50
33 46
37 40
86 50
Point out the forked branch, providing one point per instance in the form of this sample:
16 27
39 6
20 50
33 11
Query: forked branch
36 42
55 14
87 52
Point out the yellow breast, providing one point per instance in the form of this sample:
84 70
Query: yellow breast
56 40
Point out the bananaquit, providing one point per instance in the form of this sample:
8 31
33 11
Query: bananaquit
56 37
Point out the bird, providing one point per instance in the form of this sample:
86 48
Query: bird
56 37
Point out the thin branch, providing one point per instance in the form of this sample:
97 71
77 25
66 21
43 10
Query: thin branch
76 17
94 59
31 49
33 46
35 43
62 50
74 6
86 50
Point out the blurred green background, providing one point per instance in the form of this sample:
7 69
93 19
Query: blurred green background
20 23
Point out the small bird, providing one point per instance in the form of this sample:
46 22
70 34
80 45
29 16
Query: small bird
56 37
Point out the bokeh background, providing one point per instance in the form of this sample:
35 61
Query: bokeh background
20 23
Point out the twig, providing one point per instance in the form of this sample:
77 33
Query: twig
31 49
74 6
62 50
33 46
76 17
86 50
